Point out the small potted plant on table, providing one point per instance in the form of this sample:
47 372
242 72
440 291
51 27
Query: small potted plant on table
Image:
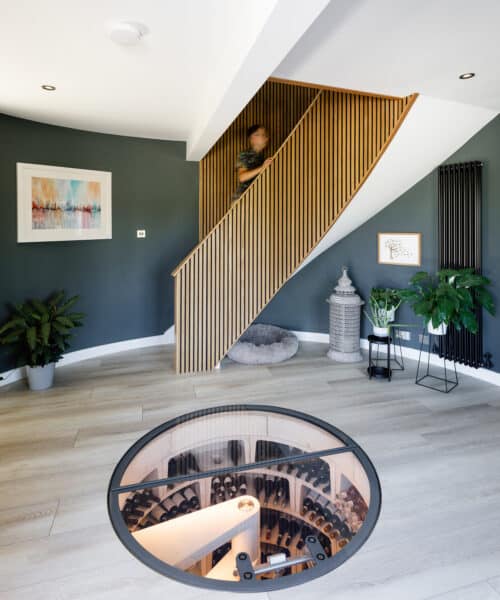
449 297
39 332
383 305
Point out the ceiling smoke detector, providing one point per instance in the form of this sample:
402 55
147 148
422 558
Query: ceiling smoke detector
127 33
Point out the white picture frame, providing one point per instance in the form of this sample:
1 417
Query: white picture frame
60 204
403 249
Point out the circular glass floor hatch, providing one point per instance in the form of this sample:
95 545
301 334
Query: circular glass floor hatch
244 498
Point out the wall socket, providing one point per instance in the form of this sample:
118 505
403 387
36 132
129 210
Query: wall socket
403 334
141 233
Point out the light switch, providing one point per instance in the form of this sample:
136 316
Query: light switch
141 233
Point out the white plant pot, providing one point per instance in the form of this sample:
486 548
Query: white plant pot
40 378
381 331
440 330
389 315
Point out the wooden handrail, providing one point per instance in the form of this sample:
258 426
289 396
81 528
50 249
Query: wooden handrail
226 281
278 107
247 191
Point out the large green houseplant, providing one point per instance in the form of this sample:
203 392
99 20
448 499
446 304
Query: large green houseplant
39 333
449 297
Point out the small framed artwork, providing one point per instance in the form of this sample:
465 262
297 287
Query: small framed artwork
56 204
400 249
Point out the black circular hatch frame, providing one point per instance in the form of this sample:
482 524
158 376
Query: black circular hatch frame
267 585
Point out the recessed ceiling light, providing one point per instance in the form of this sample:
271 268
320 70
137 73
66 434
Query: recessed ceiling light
127 33
467 75
49 88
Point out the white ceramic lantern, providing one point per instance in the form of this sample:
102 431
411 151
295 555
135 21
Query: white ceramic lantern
345 320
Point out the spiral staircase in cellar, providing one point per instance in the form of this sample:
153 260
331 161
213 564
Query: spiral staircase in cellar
283 489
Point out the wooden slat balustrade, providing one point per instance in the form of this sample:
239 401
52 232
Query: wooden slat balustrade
227 280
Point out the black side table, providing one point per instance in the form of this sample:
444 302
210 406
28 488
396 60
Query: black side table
374 369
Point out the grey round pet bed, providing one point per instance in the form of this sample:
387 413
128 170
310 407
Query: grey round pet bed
264 344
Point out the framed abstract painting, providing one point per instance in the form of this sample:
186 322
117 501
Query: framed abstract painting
403 249
56 204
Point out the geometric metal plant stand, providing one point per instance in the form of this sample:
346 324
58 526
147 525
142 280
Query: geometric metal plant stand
442 384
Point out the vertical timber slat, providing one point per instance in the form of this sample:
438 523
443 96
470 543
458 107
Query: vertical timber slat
325 146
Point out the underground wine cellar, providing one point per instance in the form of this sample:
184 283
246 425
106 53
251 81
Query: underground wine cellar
244 498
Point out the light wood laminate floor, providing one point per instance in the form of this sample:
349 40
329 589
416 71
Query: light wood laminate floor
438 458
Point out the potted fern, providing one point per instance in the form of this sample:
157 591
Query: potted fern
383 304
39 332
449 297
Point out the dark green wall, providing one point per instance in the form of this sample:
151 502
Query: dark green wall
125 283
300 305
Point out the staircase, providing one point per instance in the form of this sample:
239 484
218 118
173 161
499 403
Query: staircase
253 246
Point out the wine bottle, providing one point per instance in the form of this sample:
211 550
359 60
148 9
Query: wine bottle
173 467
228 481
345 532
321 479
182 464
334 522
268 489
312 472
159 513
319 508
191 497
170 507
293 530
307 503
272 519
131 510
181 502
258 484
304 532
142 500
150 496
242 485
280 490
134 501
283 527
301 469
192 463
235 451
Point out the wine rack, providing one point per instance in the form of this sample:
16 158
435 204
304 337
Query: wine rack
317 494
144 509
286 517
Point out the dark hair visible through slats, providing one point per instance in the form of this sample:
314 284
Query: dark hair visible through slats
253 128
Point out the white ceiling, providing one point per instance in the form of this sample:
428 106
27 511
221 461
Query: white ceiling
153 89
404 46
168 86
202 60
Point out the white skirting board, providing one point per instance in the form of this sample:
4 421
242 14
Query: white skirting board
95 352
169 338
411 353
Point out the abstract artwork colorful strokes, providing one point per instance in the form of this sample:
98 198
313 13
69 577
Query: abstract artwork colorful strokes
65 203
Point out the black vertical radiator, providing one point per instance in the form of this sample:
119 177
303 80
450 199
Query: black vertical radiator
460 247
